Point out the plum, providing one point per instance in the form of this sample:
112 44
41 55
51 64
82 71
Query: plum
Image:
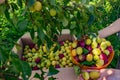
110 48
88 47
61 43
82 57
81 43
61 56
37 60
57 66
31 46
76 58
23 58
103 56
35 68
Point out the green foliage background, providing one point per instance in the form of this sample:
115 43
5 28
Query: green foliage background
80 16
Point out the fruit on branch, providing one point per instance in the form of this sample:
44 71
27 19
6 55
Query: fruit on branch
37 6
53 12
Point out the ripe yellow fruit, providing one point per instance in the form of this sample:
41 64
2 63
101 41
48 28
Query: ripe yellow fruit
85 75
88 41
94 75
37 6
89 57
79 50
100 63
108 43
94 44
74 52
53 12
96 57
96 51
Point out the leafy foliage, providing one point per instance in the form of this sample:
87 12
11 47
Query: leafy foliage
80 16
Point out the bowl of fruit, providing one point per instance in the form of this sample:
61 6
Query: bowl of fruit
92 52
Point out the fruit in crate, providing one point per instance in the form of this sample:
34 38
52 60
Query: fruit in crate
92 52
43 57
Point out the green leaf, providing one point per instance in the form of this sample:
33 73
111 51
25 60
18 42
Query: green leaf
41 34
32 33
14 6
22 67
22 25
83 1
65 22
91 19
85 51
78 15
37 76
19 2
88 63
51 78
52 2
7 14
52 71
3 55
